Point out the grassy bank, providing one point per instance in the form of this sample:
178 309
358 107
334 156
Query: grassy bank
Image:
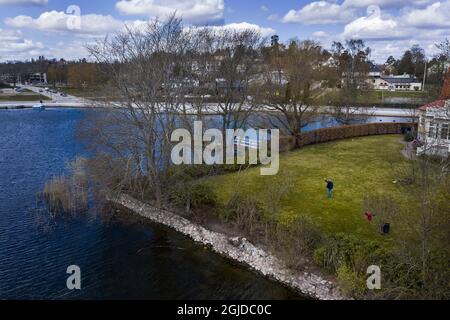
23 98
358 166
291 213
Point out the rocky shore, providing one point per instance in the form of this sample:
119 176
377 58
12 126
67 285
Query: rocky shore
238 249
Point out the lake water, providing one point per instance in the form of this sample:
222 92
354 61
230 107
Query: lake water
120 256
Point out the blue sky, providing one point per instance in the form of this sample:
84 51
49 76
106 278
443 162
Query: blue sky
29 28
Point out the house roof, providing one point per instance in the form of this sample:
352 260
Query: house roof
399 80
434 104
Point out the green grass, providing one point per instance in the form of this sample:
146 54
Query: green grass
23 98
74 91
79 92
357 166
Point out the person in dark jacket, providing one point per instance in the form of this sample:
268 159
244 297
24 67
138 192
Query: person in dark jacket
330 188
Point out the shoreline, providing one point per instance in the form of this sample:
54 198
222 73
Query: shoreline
29 105
237 249
374 112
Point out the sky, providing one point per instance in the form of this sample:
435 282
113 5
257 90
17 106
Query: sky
30 28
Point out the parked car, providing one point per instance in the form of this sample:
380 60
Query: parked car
63 94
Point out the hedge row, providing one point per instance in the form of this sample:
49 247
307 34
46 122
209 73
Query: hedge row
345 132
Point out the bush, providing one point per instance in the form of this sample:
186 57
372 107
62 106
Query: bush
342 249
320 256
246 212
351 282
295 241
193 196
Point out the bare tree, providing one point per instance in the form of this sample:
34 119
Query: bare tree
147 67
290 85
232 66
163 76
352 64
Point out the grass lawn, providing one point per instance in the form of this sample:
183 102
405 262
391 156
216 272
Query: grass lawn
23 98
89 93
357 166
74 91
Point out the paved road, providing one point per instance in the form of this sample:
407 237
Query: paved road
75 102
56 98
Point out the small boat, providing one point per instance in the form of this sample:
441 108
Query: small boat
38 106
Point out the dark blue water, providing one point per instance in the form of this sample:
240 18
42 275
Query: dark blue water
120 256
330 122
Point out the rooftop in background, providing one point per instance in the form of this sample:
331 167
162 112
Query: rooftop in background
435 105
405 78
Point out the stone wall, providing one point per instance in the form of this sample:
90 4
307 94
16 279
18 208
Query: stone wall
238 249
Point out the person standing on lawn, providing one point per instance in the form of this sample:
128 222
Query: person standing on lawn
330 188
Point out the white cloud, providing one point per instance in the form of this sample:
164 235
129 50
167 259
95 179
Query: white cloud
14 45
58 21
383 3
70 50
320 12
245 26
10 35
425 23
25 2
320 34
374 26
264 8
436 15
194 11
392 35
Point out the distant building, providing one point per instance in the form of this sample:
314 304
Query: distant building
404 82
434 125
8 78
223 86
38 78
274 40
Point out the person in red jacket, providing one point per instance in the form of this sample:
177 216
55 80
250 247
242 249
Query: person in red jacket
369 216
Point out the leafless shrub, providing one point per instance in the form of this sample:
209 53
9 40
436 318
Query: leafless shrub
246 213
290 84
276 191
295 241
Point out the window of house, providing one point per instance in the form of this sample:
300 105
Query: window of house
432 131
445 131
422 121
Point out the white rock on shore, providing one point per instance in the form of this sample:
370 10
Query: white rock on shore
238 249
